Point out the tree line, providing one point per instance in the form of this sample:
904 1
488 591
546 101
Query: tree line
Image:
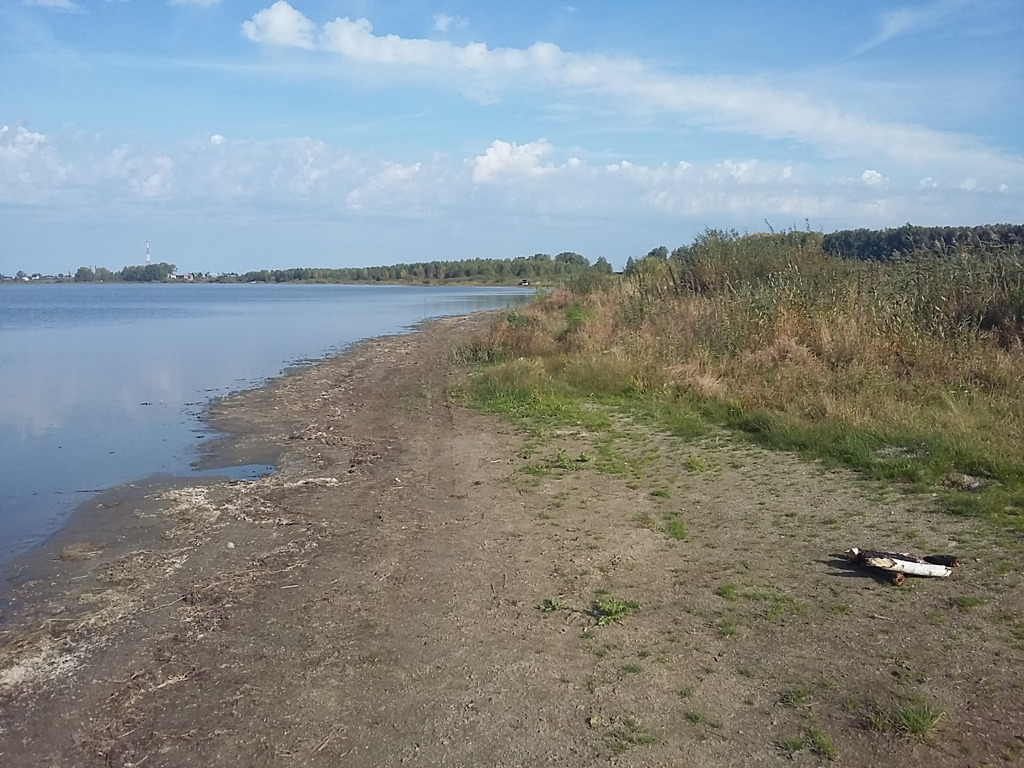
150 273
898 243
541 266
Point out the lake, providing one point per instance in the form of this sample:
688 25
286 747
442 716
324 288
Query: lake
101 385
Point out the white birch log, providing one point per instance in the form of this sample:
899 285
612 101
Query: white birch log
907 566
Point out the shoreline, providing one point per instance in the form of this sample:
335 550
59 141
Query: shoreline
420 584
111 516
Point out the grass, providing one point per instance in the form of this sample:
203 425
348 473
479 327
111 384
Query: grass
728 592
915 717
815 739
911 373
628 732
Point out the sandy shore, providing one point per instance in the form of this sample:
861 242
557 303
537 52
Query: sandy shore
417 584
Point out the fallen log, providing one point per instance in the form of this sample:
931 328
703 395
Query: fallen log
903 564
908 567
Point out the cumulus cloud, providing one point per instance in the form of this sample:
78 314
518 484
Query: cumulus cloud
30 167
509 160
872 178
280 24
301 178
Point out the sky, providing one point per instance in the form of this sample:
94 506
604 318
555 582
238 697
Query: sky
235 135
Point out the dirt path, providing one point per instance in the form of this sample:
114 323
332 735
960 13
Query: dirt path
417 585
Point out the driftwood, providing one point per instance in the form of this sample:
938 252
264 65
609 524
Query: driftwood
903 564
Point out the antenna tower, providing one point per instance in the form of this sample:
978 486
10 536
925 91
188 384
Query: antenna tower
147 252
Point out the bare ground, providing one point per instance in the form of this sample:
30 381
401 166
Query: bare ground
418 584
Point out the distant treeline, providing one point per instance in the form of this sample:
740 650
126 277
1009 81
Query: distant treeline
540 266
150 273
895 244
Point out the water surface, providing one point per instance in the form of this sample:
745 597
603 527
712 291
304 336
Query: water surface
105 384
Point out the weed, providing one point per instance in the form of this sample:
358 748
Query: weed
967 602
686 692
610 610
917 718
628 732
551 604
794 744
675 528
695 463
646 520
821 743
660 493
796 697
727 592
632 668
696 716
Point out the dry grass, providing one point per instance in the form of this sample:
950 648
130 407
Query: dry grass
829 357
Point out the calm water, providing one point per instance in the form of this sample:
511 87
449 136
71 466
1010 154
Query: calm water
105 384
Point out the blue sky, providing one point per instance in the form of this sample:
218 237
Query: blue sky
239 135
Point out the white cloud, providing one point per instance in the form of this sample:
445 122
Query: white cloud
384 183
303 179
908 20
30 167
443 22
145 175
748 106
508 160
872 178
280 24
217 139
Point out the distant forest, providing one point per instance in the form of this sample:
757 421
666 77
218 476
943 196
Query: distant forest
539 267
895 244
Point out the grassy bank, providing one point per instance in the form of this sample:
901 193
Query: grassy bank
911 371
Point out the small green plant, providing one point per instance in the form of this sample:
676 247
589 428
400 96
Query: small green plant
917 718
728 592
686 692
794 744
796 697
628 732
822 744
675 528
966 602
632 668
695 463
646 520
660 493
696 716
551 604
611 610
